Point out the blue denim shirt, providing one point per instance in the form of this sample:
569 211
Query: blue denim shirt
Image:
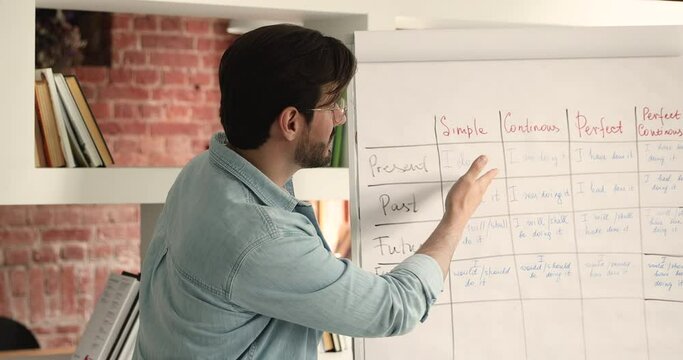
238 269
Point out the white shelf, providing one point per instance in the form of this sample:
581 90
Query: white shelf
322 184
339 19
88 186
296 11
138 185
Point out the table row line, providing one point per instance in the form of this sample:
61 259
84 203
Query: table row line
560 276
406 164
658 231
423 202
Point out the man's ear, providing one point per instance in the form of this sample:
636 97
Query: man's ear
290 123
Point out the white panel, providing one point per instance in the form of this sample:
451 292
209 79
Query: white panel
584 126
518 43
16 93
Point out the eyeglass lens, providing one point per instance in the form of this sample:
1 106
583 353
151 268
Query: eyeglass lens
340 116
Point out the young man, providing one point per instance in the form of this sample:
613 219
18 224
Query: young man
237 267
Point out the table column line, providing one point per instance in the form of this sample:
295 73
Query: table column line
640 226
512 243
443 211
576 244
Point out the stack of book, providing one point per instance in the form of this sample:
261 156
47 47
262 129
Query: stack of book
339 143
339 147
334 342
113 326
333 220
66 131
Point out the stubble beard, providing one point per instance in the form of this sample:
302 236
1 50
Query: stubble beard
308 155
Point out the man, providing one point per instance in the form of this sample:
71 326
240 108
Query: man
237 267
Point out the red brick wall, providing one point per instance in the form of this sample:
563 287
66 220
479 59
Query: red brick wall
157 106
158 103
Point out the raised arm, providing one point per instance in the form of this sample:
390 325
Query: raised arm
462 200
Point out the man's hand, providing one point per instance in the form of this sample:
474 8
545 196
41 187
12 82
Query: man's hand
461 202
466 194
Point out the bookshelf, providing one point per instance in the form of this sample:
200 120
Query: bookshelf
26 184
22 183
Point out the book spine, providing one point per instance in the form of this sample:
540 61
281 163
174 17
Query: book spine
89 119
76 150
336 146
337 343
125 330
129 346
46 118
60 115
40 146
108 317
74 116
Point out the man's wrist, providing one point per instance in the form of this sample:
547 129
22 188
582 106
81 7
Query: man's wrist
454 220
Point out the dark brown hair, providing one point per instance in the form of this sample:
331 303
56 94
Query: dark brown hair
273 67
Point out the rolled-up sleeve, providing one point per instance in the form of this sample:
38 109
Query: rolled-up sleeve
426 269
293 278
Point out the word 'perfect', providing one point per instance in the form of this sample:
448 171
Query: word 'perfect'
602 129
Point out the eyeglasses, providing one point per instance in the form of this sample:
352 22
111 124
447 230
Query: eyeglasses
338 111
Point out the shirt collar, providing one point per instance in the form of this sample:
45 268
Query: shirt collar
264 188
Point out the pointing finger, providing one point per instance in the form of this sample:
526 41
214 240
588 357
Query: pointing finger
476 167
485 180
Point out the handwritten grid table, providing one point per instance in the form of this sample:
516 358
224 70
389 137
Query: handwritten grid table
576 251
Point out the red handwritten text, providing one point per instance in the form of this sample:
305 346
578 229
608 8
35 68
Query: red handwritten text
468 130
661 115
603 129
643 131
527 127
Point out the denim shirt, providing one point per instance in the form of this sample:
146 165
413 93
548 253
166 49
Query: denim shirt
238 269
